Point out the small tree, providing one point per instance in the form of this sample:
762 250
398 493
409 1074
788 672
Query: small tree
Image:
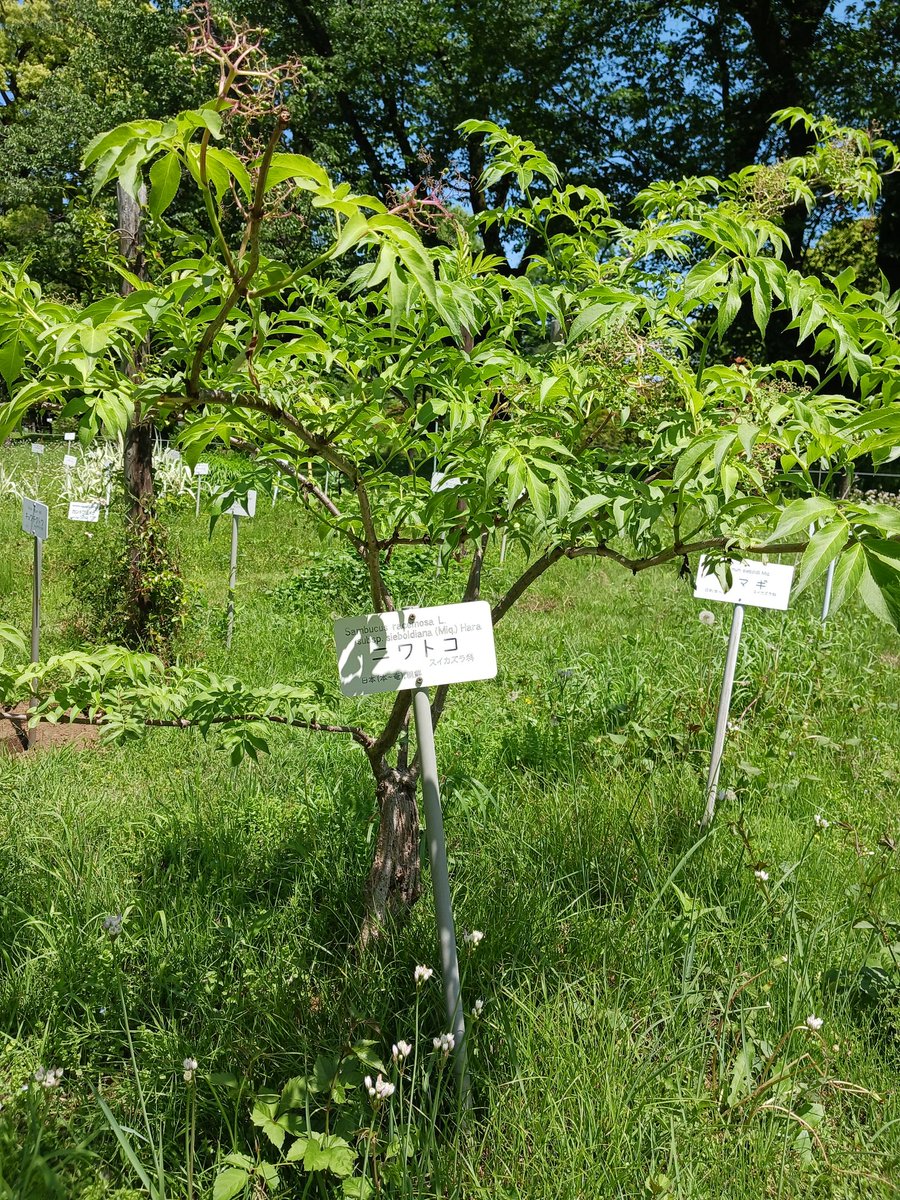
587 406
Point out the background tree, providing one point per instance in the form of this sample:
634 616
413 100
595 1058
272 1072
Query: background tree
588 407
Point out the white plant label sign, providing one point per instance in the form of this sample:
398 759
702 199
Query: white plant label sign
37 448
758 584
68 437
247 509
201 469
86 510
440 482
173 455
35 519
416 647
69 461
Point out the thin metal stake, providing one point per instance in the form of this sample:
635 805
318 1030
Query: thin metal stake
503 548
232 580
199 486
829 583
36 623
440 879
715 762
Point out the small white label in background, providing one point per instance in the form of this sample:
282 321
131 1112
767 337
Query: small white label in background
761 585
69 460
444 483
201 469
35 519
173 455
68 437
246 509
37 448
416 647
87 510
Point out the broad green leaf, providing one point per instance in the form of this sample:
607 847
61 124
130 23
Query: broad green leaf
880 588
847 575
165 175
825 545
729 307
586 507
229 1183
800 514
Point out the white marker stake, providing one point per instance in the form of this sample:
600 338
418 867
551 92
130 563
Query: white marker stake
200 470
718 749
108 468
503 549
757 584
237 511
440 882
35 521
412 650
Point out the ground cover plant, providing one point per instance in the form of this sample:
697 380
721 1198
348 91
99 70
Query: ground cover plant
646 993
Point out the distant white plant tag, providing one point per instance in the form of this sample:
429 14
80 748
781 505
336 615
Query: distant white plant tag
201 469
69 460
84 510
173 455
68 437
37 448
35 519
244 510
444 483
758 584
416 647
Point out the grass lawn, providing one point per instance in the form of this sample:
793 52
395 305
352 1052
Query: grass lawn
645 990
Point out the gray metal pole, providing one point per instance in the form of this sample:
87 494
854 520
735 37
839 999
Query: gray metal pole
199 485
440 880
232 580
715 762
829 583
36 622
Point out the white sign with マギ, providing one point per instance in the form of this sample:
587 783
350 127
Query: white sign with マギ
415 647
87 510
759 584
35 519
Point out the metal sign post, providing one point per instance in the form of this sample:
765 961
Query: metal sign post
440 882
829 584
36 522
412 650
754 584
237 511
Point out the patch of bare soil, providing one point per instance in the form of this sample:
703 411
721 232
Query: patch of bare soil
14 734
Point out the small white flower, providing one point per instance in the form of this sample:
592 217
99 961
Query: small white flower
400 1051
190 1069
762 876
48 1078
473 937
477 1009
706 617
379 1089
422 975
814 1023
734 727
112 925
820 821
445 1043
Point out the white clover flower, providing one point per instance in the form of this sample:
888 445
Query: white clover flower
477 1009
473 937
112 925
48 1078
706 617
422 975
189 1066
814 1023
820 822
444 1044
401 1050
379 1089
762 876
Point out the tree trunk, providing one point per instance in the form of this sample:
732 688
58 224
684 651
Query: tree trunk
138 465
394 883
889 232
